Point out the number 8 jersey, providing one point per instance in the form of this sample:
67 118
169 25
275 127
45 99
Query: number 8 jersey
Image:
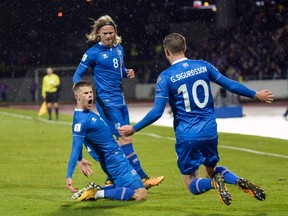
108 68
187 86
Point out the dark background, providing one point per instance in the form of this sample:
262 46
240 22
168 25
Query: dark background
33 35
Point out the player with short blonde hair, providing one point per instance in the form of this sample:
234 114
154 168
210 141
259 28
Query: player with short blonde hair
90 129
186 85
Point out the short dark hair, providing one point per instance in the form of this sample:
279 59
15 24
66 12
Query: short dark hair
80 84
175 43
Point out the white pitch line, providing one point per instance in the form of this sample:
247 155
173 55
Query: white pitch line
221 146
147 134
16 115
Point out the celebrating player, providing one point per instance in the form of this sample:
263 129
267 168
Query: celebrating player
90 129
186 84
106 60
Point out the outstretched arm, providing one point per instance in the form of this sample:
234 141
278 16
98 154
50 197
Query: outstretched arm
237 88
76 154
154 114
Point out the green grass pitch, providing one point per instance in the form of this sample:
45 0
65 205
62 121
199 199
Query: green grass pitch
34 157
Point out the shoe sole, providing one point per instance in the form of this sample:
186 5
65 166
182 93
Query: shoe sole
223 193
251 189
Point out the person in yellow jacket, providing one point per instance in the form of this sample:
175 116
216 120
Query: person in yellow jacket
50 91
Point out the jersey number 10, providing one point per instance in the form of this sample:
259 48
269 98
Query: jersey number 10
183 89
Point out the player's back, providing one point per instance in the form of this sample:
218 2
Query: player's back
97 135
191 100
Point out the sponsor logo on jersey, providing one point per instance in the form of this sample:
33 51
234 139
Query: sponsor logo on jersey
84 57
77 127
105 56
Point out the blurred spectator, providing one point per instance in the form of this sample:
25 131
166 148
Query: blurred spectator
32 88
3 91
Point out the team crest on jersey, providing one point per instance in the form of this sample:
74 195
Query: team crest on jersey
105 56
94 119
84 57
185 64
77 127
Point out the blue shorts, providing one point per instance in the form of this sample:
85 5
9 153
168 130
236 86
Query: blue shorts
114 116
191 154
119 170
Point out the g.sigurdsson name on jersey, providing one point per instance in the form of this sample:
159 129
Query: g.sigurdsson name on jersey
188 74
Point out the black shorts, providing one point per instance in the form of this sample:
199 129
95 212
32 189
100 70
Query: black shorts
52 97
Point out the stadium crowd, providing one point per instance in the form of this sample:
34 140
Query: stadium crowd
254 48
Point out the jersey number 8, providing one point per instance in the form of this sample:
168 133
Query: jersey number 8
115 63
183 89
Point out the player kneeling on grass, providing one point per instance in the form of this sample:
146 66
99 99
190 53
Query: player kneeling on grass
90 129
186 85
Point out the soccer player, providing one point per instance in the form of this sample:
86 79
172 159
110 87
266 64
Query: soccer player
50 86
90 129
106 58
186 85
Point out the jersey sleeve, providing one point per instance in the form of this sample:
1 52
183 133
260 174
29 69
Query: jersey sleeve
124 70
214 74
235 87
78 132
230 85
85 63
161 89
154 114
75 155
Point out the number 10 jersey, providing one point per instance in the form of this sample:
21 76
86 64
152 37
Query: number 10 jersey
187 86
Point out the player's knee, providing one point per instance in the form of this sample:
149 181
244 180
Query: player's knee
141 194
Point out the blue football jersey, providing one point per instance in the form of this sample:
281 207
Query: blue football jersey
97 136
108 69
187 86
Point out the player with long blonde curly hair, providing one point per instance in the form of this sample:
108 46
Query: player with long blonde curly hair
98 24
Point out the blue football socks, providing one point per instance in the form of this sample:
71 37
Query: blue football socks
133 159
120 193
200 185
229 177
